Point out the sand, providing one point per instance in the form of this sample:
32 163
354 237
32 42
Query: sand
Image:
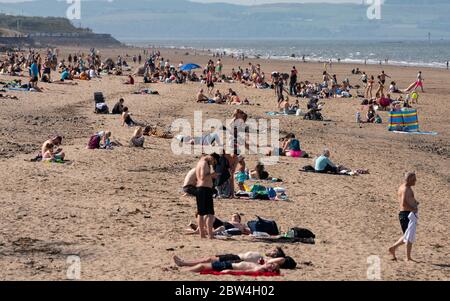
122 212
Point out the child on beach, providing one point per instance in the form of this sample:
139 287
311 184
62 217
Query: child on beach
241 174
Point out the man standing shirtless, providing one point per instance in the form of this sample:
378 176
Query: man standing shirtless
408 210
204 195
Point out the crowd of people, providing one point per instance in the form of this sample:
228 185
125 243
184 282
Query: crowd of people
220 175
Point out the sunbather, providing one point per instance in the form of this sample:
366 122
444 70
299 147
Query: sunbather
276 256
259 172
220 226
126 118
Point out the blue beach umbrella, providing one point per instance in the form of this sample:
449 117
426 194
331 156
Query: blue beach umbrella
189 67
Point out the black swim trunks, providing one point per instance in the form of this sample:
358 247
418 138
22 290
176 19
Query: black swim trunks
205 204
229 258
222 266
404 220
210 84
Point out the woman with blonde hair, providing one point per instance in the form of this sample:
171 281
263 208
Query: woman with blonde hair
138 138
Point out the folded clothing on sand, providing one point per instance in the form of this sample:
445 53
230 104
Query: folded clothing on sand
240 273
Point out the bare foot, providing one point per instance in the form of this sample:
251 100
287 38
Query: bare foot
410 260
392 252
178 261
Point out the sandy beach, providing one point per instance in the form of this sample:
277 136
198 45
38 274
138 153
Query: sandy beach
123 214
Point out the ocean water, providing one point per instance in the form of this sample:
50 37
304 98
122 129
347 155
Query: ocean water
402 53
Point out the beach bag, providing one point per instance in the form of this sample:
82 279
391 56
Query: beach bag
101 108
94 142
302 233
98 97
309 168
262 225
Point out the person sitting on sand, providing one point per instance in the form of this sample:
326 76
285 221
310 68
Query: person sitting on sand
291 147
130 80
138 138
100 140
393 88
371 114
118 107
202 97
324 164
218 98
126 118
276 255
49 153
259 173
190 183
219 226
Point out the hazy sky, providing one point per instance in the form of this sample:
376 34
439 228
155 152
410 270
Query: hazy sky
248 2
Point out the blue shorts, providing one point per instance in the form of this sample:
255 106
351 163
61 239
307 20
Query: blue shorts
222 266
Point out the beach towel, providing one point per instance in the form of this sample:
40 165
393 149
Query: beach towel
404 121
410 234
285 240
417 133
240 273
280 114
310 169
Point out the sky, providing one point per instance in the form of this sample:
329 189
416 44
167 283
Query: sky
253 2
249 2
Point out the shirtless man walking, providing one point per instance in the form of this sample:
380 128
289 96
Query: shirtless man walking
408 209
204 195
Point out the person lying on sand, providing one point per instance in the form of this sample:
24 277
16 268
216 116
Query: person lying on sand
259 173
208 139
8 97
48 151
228 266
276 256
219 226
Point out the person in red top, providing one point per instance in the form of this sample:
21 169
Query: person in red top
130 80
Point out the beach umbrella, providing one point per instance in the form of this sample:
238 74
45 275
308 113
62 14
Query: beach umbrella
189 67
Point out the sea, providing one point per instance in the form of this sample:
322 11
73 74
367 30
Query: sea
427 53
